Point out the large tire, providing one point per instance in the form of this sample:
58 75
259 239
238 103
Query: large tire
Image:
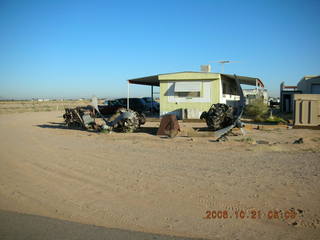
219 116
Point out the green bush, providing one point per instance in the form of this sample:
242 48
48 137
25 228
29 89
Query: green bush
258 119
257 109
246 140
275 119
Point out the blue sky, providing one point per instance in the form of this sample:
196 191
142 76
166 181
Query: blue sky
67 49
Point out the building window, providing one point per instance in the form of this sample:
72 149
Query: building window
188 89
187 94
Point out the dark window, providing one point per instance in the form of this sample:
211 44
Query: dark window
187 94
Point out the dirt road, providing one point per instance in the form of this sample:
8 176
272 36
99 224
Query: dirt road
145 183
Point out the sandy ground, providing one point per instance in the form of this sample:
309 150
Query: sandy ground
145 183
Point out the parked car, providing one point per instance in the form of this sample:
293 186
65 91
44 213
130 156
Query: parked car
152 105
111 106
136 104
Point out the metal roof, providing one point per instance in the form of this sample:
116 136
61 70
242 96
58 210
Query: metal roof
155 79
245 80
150 80
309 78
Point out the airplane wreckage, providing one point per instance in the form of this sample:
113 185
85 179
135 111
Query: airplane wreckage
90 117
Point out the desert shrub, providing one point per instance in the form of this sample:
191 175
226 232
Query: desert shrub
257 109
246 140
259 119
275 119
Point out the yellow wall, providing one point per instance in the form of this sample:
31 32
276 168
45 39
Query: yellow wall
166 106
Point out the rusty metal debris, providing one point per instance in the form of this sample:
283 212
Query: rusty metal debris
90 118
169 126
298 141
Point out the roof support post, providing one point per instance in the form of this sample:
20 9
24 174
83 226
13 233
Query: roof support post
151 98
128 96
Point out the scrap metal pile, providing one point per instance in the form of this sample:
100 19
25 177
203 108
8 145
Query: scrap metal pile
219 116
90 118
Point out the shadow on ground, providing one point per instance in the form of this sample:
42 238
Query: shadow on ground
24 226
56 123
260 123
148 130
53 125
202 129
59 126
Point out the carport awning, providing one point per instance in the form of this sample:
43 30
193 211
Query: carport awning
245 80
154 80
150 81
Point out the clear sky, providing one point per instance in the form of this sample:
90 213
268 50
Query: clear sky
54 49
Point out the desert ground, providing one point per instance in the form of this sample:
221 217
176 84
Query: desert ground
143 183
39 106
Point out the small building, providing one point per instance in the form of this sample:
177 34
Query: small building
307 85
188 94
256 93
286 97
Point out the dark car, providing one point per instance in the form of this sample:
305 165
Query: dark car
152 105
111 106
135 104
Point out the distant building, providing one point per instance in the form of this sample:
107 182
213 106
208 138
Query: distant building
286 97
307 85
254 94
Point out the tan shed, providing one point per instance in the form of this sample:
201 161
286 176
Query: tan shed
307 109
